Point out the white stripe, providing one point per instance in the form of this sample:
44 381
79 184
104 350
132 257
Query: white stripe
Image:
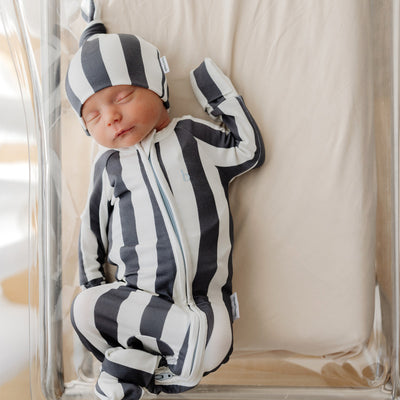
130 315
175 327
80 86
151 66
186 201
106 195
117 242
181 288
86 7
88 238
149 344
220 339
224 242
110 386
114 59
199 94
147 235
133 358
84 315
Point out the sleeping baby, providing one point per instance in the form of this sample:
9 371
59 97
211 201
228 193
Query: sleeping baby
158 210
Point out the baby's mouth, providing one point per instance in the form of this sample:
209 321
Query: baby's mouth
122 132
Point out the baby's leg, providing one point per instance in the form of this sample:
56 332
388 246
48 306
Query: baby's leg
84 321
129 331
219 343
125 372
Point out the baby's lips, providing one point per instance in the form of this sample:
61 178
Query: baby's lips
121 132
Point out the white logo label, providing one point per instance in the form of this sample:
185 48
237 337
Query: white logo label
235 306
164 64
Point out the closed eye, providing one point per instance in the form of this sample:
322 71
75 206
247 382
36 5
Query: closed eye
123 96
91 117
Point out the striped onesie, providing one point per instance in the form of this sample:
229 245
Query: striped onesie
159 211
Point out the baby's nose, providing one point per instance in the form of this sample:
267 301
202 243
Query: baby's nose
112 116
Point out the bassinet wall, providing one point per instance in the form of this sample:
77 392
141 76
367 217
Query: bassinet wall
313 226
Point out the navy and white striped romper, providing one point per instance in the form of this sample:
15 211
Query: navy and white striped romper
159 211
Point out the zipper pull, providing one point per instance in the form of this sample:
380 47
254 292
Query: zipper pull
162 374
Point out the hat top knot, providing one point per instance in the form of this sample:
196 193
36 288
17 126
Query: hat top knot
89 11
91 14
96 27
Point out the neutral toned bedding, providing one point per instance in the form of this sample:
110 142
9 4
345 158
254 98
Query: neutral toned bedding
304 259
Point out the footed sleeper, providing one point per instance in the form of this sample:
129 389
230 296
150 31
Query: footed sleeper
159 211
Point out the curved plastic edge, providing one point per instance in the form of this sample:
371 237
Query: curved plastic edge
46 378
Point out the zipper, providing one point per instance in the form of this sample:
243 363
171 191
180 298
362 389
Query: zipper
173 223
199 319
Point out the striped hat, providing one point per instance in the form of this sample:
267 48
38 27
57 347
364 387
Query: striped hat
105 60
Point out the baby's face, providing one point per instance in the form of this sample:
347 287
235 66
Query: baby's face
123 115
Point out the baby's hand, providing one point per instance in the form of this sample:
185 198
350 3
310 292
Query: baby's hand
210 85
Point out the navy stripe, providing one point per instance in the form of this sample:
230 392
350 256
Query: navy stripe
93 65
230 122
260 152
166 267
177 368
94 207
131 391
106 313
127 374
90 31
133 57
72 97
154 316
94 282
227 288
164 348
99 391
134 343
82 274
128 252
207 86
205 306
110 236
163 76
208 134
207 214
162 166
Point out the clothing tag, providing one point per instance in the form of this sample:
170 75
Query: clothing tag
235 306
164 64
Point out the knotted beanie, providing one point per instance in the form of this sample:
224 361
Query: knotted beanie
111 59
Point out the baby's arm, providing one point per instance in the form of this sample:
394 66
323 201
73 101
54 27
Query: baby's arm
93 242
237 145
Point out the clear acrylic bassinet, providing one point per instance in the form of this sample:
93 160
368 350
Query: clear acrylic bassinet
263 366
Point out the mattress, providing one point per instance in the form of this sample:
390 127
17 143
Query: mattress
305 222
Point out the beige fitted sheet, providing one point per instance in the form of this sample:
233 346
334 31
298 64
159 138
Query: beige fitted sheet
305 222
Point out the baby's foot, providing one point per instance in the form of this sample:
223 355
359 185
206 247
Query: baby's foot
108 387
